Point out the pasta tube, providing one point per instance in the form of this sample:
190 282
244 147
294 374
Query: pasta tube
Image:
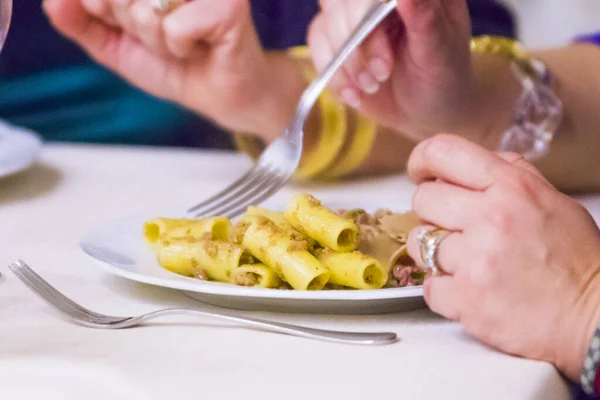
255 275
354 270
156 227
215 228
289 259
307 215
191 257
280 221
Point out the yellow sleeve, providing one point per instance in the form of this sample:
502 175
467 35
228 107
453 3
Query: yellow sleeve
192 257
255 275
214 228
289 259
354 270
310 217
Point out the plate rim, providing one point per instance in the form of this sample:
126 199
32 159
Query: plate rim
20 134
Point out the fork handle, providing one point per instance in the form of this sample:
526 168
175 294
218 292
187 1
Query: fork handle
362 338
376 14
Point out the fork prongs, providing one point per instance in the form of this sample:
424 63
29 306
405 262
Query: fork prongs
269 178
52 296
257 196
199 209
248 190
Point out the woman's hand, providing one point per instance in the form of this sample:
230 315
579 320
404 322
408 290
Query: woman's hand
204 55
522 260
414 73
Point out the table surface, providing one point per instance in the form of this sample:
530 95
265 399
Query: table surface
45 211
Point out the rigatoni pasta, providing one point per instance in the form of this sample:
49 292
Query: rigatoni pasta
216 260
305 247
354 269
215 228
255 275
290 259
310 217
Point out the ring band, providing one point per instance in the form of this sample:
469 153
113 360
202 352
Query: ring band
429 241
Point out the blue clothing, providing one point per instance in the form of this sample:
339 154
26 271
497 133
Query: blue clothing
49 85
593 38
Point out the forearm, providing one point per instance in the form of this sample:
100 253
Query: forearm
389 154
572 164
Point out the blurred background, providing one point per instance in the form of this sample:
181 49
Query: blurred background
50 86
547 23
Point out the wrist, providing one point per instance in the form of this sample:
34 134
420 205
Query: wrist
494 93
571 351
278 92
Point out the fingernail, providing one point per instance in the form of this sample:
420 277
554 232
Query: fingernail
379 69
350 97
368 83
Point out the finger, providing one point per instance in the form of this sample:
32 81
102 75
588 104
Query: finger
122 13
103 43
431 35
148 26
457 12
203 21
73 20
340 22
100 9
379 55
520 162
445 205
455 160
442 296
322 53
449 256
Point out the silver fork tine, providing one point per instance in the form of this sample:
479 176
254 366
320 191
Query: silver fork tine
35 282
256 179
64 306
223 192
245 199
259 198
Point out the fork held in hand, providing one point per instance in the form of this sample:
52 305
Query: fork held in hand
278 162
92 319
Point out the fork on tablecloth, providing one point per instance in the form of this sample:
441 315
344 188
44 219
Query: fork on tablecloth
85 317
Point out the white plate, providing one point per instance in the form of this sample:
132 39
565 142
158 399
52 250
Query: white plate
119 249
19 149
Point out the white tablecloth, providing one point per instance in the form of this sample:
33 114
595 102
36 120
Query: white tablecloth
45 211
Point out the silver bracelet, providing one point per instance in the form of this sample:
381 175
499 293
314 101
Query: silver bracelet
538 112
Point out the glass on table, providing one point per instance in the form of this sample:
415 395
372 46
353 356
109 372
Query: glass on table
5 16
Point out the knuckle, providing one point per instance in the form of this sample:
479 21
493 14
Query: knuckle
481 276
315 31
521 183
500 220
142 15
436 146
429 12
237 10
513 158
171 28
485 272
